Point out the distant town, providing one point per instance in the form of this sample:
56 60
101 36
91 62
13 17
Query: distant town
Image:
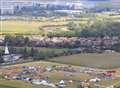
48 8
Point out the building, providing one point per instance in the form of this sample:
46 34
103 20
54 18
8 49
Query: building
7 57
8 6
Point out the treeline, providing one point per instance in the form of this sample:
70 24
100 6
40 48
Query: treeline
16 40
101 29
36 53
97 29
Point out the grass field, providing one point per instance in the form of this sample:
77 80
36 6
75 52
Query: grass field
42 49
52 76
57 76
17 84
106 60
20 27
22 84
28 27
33 26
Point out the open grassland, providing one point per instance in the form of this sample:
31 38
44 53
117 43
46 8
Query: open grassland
106 60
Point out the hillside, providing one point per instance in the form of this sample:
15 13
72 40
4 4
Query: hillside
109 4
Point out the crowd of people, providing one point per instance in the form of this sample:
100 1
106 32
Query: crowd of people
39 75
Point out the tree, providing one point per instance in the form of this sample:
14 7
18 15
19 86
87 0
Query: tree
9 40
101 29
26 40
71 26
116 47
1 60
20 40
32 53
36 55
25 53
87 33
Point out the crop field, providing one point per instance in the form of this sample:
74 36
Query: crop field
24 27
19 27
35 26
106 60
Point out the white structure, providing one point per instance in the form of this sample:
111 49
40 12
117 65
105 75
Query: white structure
61 82
6 50
7 57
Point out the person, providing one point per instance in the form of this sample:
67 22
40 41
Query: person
61 84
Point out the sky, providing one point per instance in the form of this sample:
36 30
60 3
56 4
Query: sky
105 0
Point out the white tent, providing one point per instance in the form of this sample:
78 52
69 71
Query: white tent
95 80
44 82
38 82
61 82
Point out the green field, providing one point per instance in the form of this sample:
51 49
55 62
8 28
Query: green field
17 84
19 27
53 76
35 26
106 60
28 27
42 49
22 84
